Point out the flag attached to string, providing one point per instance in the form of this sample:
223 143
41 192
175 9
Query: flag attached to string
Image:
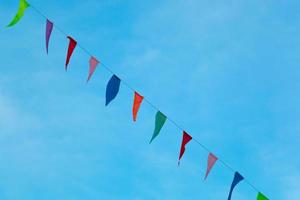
72 45
112 89
260 196
210 163
49 27
22 7
160 120
138 99
186 138
237 178
93 64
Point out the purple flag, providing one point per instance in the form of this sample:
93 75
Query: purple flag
49 27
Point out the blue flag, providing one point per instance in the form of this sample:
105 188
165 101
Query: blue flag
237 178
112 89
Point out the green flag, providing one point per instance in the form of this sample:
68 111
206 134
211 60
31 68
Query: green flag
22 7
260 196
160 120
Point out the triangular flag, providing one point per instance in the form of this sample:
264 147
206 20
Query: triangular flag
112 88
93 64
186 138
22 7
72 45
210 163
260 196
160 120
237 178
49 27
138 99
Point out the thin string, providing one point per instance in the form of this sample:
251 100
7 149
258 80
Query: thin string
146 100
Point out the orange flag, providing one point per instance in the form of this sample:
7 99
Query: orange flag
138 99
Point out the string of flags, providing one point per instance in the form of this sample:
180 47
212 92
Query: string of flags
112 90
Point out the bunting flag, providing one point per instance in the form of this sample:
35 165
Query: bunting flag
49 27
138 99
237 178
160 120
210 163
260 196
112 89
186 138
22 7
93 64
72 45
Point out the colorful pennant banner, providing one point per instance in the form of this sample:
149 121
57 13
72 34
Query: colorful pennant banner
72 45
49 27
237 178
138 99
212 159
160 120
186 138
93 64
112 89
22 7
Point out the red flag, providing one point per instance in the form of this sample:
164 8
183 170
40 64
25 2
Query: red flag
210 163
136 104
185 139
93 64
72 45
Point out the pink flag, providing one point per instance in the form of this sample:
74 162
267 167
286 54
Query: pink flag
93 64
210 163
186 138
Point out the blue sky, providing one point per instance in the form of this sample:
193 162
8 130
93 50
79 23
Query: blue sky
226 71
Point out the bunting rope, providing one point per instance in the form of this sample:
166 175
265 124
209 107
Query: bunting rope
237 177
